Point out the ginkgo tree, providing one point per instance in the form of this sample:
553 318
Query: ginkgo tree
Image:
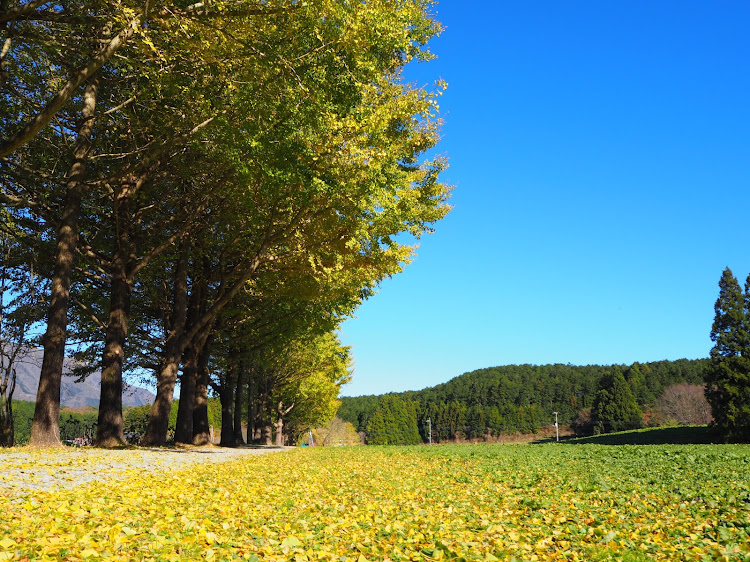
353 185
270 140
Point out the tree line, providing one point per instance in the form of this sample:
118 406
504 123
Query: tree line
198 194
521 399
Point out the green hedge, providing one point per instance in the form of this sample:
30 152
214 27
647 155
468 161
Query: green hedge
83 425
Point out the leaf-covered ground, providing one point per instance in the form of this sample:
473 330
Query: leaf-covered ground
23 469
546 502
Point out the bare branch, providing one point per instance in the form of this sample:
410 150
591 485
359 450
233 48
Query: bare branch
119 107
91 315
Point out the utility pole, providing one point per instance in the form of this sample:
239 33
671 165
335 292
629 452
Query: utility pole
557 431
429 425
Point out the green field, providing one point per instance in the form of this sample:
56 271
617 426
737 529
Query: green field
485 502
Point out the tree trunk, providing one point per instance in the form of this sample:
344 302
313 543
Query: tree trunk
279 427
201 426
192 348
226 396
251 413
45 428
7 387
6 420
168 377
158 425
238 396
267 431
183 431
109 429
281 413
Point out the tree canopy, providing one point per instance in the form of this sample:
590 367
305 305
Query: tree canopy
615 408
217 184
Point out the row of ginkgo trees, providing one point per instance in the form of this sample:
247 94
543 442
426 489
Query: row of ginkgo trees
209 189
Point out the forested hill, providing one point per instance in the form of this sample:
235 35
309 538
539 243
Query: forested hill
522 397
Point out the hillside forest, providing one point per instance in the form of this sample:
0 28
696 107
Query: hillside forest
489 403
198 194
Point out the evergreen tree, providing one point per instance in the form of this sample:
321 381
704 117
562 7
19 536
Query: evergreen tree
394 422
637 382
615 408
728 375
515 398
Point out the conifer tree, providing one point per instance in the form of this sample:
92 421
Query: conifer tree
615 408
728 375
394 422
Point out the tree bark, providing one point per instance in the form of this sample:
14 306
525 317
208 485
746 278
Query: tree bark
168 376
192 349
281 413
279 428
267 431
110 431
226 395
6 420
201 426
8 355
238 396
251 413
45 428
183 431
158 425
267 427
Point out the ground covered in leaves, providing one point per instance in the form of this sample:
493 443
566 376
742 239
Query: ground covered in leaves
487 502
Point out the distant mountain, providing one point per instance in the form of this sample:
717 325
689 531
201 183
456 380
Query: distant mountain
72 394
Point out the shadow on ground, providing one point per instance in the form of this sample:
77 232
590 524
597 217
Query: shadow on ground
684 435
214 449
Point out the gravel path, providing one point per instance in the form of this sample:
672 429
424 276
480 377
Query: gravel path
23 470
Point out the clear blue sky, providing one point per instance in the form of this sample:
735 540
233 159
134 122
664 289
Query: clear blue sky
600 153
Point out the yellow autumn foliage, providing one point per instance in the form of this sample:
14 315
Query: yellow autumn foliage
505 502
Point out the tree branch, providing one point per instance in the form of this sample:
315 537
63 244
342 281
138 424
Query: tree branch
42 118
93 317
22 10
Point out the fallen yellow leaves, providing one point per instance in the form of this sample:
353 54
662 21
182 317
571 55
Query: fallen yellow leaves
441 503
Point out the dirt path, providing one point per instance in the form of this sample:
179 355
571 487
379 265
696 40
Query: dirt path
23 469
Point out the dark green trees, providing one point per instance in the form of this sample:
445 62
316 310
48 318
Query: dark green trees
728 375
487 403
615 408
394 422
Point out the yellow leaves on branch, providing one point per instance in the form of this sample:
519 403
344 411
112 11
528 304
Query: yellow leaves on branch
368 503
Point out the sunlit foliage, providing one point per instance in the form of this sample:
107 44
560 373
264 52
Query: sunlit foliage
545 502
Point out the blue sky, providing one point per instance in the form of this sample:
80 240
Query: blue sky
600 153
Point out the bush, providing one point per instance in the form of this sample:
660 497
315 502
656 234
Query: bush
23 414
